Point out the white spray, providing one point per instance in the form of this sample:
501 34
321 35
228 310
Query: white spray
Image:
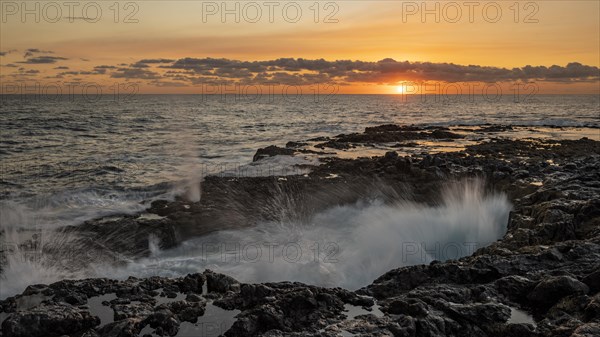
347 246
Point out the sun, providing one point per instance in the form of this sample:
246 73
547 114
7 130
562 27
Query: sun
400 89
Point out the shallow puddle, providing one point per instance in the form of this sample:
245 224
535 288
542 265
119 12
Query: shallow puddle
214 322
105 313
518 316
352 311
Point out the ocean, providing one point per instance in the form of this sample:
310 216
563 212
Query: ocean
67 159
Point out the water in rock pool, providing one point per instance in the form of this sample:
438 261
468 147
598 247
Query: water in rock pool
67 162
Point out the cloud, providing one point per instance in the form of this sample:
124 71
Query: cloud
4 53
76 73
130 73
24 73
43 59
386 71
103 68
31 51
159 83
148 61
140 65
299 71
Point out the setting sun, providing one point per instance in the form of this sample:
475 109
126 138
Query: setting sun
400 89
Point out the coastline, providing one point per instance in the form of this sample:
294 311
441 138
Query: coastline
546 264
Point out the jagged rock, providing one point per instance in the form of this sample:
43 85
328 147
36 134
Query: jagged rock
221 283
441 134
546 264
125 328
271 151
587 330
592 280
48 320
554 288
295 144
163 321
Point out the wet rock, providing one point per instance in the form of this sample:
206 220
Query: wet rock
514 287
141 310
547 263
587 330
194 298
271 151
411 306
221 283
482 313
295 144
335 145
76 299
441 134
125 328
553 289
592 280
390 156
164 322
49 320
186 311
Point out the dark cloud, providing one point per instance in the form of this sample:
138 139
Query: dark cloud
386 71
139 65
76 73
24 73
4 53
299 71
168 84
98 70
130 73
102 69
31 51
149 61
43 60
62 68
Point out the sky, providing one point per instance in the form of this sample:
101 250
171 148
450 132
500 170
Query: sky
376 47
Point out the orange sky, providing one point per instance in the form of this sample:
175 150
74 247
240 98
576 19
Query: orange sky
539 33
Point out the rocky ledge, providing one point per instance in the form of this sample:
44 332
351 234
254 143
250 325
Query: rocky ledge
541 279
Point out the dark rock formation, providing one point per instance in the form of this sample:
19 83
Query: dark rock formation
49 320
541 279
271 151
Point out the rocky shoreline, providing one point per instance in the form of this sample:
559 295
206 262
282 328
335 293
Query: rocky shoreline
541 279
